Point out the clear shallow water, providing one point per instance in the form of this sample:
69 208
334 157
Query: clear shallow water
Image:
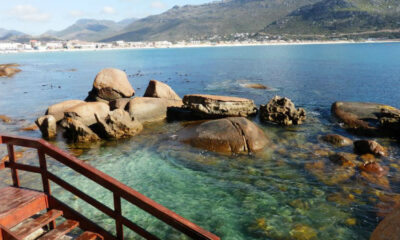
271 195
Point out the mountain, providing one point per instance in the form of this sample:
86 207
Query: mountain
91 29
341 17
6 35
206 20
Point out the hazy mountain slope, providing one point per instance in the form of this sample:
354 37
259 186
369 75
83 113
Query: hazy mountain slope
340 16
6 34
91 29
224 17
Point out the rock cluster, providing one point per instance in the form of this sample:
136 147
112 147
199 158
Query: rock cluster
9 70
282 111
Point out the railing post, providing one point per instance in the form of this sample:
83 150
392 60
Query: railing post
45 178
14 172
118 225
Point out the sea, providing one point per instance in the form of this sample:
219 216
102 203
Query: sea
273 194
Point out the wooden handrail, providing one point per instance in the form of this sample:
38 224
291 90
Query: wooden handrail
118 189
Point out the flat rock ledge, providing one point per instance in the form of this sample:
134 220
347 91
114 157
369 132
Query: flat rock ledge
212 106
370 119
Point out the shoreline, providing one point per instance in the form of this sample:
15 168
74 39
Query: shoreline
277 43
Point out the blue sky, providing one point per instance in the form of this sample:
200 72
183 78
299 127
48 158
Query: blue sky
38 16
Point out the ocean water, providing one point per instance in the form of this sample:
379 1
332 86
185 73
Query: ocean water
273 194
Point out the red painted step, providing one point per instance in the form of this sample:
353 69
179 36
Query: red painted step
88 236
32 226
60 230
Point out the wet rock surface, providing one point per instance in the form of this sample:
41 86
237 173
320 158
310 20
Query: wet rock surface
368 118
282 111
227 135
47 125
337 140
77 131
369 146
389 228
212 106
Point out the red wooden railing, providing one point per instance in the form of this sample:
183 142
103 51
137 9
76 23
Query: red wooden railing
118 189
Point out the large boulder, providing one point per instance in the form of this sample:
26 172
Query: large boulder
230 135
77 131
212 106
388 228
47 125
282 111
110 84
9 70
57 110
85 112
118 124
368 118
146 109
159 89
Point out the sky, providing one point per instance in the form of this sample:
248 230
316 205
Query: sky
38 16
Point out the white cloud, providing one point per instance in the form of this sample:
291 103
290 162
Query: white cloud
28 12
76 13
108 10
157 4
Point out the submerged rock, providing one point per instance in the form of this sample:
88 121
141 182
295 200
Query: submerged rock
228 135
9 70
118 124
282 111
77 131
212 106
368 118
255 86
110 84
5 118
57 110
369 146
388 228
145 109
32 127
337 140
47 125
159 89
85 112
344 159
374 168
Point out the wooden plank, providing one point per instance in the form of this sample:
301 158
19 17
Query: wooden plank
84 223
87 236
37 223
60 231
23 167
17 204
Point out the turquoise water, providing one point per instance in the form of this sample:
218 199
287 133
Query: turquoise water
270 195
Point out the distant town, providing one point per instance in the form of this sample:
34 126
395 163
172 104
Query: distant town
238 39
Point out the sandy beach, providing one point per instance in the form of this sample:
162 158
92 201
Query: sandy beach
207 45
